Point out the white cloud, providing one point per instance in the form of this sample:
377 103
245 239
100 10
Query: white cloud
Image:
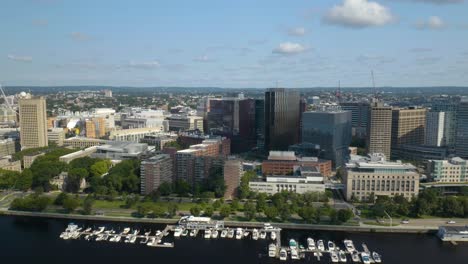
149 65
289 48
203 58
19 58
79 36
359 14
434 22
298 31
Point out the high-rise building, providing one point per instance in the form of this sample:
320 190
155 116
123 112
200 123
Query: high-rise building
96 127
359 117
331 131
449 107
282 112
461 146
232 175
408 126
260 123
155 171
435 129
33 122
185 122
379 133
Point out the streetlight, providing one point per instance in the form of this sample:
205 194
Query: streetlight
391 221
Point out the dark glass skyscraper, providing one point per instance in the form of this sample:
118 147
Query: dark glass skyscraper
281 118
331 130
260 123
461 146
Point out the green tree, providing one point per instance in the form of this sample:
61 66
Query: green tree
88 205
271 212
25 180
307 213
100 167
71 203
60 198
165 188
250 210
344 215
74 178
217 204
172 209
195 210
235 205
244 190
261 202
208 211
143 209
224 211
31 202
182 188
158 211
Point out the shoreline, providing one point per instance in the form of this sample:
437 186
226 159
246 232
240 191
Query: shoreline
339 228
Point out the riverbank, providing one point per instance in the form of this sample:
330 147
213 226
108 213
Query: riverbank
343 228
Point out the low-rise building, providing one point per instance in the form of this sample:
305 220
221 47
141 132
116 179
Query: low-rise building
7 164
7 147
454 170
56 135
309 180
29 159
374 175
84 142
155 171
78 154
133 135
120 150
158 141
283 162
185 123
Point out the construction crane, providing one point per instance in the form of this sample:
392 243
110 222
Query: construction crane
6 100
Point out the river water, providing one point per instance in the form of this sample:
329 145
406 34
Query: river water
36 240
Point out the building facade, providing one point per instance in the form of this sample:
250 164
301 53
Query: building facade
232 175
33 123
283 163
155 171
435 129
408 127
454 170
379 135
461 146
359 117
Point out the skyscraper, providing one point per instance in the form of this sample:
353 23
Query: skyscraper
379 133
408 126
331 130
260 123
33 122
359 117
155 171
435 129
449 106
281 118
461 146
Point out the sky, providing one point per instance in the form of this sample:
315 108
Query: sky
239 44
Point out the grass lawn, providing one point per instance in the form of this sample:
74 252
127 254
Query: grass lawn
104 204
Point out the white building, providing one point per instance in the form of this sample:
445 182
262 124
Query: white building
454 170
108 114
435 129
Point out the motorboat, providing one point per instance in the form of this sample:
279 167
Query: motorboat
376 256
310 244
151 242
349 245
246 233
355 257
193 232
365 258
255 234
214 234
230 233
224 233
239 233
331 246
342 256
334 257
283 254
320 245
273 235
292 244
177 232
262 234
208 233
272 250
294 254
126 230
185 233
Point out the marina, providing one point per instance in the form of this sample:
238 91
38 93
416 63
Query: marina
190 226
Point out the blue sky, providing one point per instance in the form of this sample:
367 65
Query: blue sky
240 43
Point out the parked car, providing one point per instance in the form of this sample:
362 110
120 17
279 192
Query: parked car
405 221
451 222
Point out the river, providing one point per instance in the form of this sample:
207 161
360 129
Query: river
36 240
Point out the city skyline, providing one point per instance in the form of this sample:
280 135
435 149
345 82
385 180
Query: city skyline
239 45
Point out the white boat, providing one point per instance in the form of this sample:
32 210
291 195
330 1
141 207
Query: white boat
99 230
365 258
133 239
145 240
320 245
158 232
377 258
230 233
118 238
342 256
208 233
267 226
214 234
151 242
272 250
273 235
88 237
71 227
148 233
239 233
255 234
292 244
112 239
185 232
126 230
87 230
355 257
283 254
262 234
177 232
224 233
193 232
246 233
334 257
349 245
294 254
310 244
331 246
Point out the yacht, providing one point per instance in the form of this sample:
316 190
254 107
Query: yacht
214 234
294 254
158 232
272 250
208 233
239 233
273 235
365 258
133 239
185 232
71 227
118 238
177 232
224 233
230 233
310 244
246 233
376 257
148 233
151 242
283 254
87 237
255 234
355 257
193 232
292 244
365 248
342 256
349 245
320 245
112 239
126 230
331 246
262 234
334 257
100 230
87 230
